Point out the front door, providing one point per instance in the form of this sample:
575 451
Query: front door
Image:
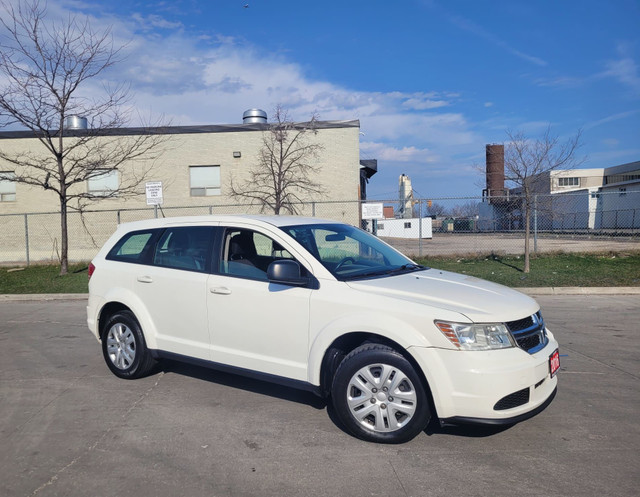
255 324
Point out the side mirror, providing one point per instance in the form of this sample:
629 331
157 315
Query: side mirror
286 272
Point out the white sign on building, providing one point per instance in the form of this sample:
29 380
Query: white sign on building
372 211
154 192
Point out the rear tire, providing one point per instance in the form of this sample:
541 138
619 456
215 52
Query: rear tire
379 397
124 348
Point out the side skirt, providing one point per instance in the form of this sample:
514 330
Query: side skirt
256 375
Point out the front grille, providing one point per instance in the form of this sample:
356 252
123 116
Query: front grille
529 332
521 324
515 399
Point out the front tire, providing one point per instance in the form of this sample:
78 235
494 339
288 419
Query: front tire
378 395
124 348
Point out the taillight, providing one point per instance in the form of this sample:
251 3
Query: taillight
92 268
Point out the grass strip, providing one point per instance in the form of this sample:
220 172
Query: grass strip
44 279
549 270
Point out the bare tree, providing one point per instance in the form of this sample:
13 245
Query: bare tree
44 69
526 163
436 209
467 210
284 173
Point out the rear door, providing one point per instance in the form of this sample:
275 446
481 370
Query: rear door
174 289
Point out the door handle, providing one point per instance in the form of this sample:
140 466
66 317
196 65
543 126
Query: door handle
220 290
145 279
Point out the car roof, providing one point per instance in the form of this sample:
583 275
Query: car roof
258 220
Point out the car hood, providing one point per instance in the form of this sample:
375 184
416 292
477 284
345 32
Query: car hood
479 300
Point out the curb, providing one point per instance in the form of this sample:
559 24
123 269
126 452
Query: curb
39 297
582 290
541 291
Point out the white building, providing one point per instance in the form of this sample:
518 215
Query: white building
405 228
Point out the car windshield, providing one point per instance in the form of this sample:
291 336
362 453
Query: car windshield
350 253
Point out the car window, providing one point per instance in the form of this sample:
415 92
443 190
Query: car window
247 254
132 247
185 248
349 252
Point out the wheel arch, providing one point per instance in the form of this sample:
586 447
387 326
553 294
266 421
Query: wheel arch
344 344
109 309
128 301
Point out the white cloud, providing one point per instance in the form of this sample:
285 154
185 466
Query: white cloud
193 79
625 70
611 142
386 152
472 27
152 21
611 118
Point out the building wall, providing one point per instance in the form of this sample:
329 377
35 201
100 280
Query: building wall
338 161
589 178
570 211
619 206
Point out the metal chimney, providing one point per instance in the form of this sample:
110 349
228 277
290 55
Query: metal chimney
252 116
75 122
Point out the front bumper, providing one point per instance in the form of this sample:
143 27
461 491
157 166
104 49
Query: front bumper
471 387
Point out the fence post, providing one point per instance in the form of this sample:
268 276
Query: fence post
420 228
118 217
155 211
26 235
313 209
210 209
535 224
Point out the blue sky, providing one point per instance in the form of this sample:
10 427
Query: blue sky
430 81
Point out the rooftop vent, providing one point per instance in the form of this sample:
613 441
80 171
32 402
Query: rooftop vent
252 116
75 122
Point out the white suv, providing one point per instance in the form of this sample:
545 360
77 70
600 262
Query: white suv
326 307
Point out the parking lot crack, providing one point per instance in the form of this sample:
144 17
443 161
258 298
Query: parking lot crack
612 366
99 440
398 478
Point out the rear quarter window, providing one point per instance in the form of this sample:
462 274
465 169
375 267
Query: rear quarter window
133 247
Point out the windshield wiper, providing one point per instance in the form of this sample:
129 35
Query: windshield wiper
383 272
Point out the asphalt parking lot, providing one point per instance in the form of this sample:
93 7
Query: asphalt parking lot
68 427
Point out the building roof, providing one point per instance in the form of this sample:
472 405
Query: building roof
370 166
177 130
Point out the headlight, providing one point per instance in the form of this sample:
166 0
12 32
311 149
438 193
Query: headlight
484 336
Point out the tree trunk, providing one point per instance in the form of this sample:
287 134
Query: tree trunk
64 238
527 229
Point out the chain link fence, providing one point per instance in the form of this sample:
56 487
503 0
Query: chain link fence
452 226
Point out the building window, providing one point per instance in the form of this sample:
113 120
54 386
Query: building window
407 225
619 178
7 186
204 180
568 181
104 183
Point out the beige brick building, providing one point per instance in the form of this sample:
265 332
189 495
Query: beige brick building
195 166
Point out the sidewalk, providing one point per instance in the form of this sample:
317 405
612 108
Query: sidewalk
560 290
